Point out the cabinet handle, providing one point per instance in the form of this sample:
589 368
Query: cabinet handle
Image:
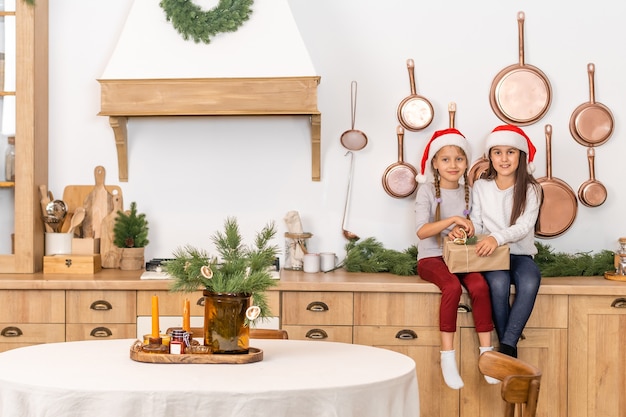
101 332
463 308
317 306
406 334
200 301
619 303
11 331
101 305
316 334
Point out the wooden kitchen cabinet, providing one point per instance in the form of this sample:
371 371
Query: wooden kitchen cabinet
31 137
597 356
101 315
30 317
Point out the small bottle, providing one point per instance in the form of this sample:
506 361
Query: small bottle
9 160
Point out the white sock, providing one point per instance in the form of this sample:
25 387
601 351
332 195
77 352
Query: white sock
489 379
449 369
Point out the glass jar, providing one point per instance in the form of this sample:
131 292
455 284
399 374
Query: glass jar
620 257
295 249
9 160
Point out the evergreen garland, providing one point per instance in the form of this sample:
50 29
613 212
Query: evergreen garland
560 264
200 25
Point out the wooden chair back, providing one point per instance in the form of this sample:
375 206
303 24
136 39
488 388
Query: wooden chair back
254 333
520 382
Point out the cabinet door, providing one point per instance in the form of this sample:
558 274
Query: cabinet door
597 358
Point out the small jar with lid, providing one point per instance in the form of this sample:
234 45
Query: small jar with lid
620 257
295 248
179 341
9 160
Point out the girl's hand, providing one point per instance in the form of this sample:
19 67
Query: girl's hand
486 246
461 223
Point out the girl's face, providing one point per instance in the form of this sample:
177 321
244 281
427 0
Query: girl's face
505 160
451 163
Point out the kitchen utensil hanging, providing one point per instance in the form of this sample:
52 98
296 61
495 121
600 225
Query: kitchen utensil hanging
399 177
559 205
348 235
520 93
353 139
592 192
591 124
414 112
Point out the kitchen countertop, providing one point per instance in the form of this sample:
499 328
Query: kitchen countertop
339 280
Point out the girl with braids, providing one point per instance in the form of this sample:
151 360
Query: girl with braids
443 203
506 206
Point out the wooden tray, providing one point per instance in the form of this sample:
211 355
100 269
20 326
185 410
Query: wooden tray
136 354
614 277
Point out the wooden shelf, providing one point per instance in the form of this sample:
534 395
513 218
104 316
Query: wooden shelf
121 99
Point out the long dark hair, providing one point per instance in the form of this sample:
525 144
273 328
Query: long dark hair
522 179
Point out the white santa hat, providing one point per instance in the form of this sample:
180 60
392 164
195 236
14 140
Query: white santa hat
510 135
440 139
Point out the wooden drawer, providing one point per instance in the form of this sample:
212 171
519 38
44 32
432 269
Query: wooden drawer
317 308
32 306
170 303
14 335
397 336
396 309
324 333
100 331
101 307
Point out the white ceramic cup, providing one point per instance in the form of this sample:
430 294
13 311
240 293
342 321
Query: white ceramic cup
311 262
328 261
58 243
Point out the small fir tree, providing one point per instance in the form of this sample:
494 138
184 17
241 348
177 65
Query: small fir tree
131 229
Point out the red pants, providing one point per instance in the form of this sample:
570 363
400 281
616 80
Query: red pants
435 270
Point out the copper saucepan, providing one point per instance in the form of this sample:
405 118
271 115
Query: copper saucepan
414 112
399 177
592 193
559 205
591 124
520 93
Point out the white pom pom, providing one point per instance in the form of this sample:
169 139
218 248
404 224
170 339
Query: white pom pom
530 167
420 178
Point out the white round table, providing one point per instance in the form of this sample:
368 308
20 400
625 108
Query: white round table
295 378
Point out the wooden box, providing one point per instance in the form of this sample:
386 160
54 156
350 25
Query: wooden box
72 264
85 246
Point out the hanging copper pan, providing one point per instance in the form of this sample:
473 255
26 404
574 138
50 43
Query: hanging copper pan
399 177
559 205
591 123
414 112
592 193
520 93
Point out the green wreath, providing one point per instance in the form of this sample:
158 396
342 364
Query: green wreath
200 25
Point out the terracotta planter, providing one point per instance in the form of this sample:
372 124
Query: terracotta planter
225 329
132 259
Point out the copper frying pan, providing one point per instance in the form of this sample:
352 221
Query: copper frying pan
592 193
520 93
559 205
399 177
591 123
414 112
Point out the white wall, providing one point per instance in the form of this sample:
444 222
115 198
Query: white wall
188 174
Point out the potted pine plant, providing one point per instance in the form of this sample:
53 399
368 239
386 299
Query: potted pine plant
233 283
130 233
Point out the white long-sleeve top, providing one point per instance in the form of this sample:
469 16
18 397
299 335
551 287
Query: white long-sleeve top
491 214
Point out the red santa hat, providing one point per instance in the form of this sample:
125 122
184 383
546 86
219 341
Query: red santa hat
440 139
510 135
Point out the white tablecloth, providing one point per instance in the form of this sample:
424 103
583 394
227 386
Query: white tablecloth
295 378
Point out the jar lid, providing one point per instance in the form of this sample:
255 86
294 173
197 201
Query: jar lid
298 235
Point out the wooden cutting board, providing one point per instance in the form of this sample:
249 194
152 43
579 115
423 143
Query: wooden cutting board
111 254
75 195
98 204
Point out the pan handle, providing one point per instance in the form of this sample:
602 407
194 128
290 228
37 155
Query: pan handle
400 132
452 112
591 154
411 67
520 35
591 69
549 151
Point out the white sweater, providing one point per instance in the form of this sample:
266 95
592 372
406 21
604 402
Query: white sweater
491 213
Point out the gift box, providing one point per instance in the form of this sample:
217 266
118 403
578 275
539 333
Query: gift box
460 257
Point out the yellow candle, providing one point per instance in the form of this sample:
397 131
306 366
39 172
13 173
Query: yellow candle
186 316
155 316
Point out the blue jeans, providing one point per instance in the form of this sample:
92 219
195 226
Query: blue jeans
509 319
